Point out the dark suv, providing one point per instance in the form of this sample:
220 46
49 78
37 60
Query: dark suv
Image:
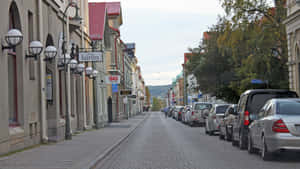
249 104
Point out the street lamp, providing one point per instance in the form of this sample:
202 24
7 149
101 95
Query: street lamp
50 53
88 71
73 64
80 68
94 74
35 49
68 134
13 38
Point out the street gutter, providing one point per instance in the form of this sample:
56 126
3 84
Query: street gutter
108 151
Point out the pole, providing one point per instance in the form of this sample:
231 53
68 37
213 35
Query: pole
68 135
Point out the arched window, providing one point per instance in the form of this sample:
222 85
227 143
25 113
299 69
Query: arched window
14 22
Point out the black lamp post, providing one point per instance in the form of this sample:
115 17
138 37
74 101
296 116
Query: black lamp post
68 135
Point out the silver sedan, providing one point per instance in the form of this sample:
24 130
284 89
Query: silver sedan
276 128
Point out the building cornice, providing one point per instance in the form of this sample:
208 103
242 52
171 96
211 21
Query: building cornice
292 18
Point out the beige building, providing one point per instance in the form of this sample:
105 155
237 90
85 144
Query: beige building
293 36
33 104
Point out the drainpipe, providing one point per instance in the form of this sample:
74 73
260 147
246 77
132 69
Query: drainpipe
42 78
116 62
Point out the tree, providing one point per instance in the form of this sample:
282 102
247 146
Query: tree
148 96
248 43
156 104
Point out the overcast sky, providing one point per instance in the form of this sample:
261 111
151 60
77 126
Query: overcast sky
163 30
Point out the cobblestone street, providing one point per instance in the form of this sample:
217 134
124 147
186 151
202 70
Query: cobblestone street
162 143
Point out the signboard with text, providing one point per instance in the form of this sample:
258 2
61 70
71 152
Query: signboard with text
112 79
90 57
125 92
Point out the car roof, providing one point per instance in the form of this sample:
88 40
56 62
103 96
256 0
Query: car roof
202 103
216 105
284 99
253 91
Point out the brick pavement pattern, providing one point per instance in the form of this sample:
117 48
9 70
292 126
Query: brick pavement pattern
162 143
74 154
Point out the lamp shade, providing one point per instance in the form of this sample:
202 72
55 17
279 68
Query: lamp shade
50 52
95 73
13 37
88 71
35 47
80 68
73 64
61 59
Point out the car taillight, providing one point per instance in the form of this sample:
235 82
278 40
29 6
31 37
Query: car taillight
192 113
280 127
246 118
179 112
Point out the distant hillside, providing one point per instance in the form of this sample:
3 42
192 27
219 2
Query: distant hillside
159 91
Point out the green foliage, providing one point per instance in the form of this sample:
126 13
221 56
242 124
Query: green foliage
157 104
249 43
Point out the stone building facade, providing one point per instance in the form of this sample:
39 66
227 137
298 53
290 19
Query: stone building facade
33 103
293 36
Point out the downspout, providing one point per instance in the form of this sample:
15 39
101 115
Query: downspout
116 62
42 78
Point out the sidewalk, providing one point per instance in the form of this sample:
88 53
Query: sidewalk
81 152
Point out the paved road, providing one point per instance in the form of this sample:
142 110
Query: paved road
167 144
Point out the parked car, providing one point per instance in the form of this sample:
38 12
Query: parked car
185 111
227 122
196 117
170 112
276 128
249 105
213 118
178 112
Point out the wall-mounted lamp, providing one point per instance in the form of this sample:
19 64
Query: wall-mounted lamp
13 38
73 65
88 71
35 49
94 74
62 61
80 68
50 53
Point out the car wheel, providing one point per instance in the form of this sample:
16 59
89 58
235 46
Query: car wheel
251 149
265 155
241 142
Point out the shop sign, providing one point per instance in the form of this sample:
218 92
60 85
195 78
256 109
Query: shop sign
114 88
125 92
90 57
113 79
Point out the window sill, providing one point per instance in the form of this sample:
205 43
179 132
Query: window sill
16 130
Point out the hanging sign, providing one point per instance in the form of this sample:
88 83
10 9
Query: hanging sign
90 57
112 79
114 88
125 92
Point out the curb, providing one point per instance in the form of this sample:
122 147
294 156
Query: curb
94 163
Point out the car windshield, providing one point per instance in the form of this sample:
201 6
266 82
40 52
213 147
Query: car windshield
221 109
289 108
258 100
202 106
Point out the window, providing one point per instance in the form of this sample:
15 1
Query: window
12 71
289 108
30 26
